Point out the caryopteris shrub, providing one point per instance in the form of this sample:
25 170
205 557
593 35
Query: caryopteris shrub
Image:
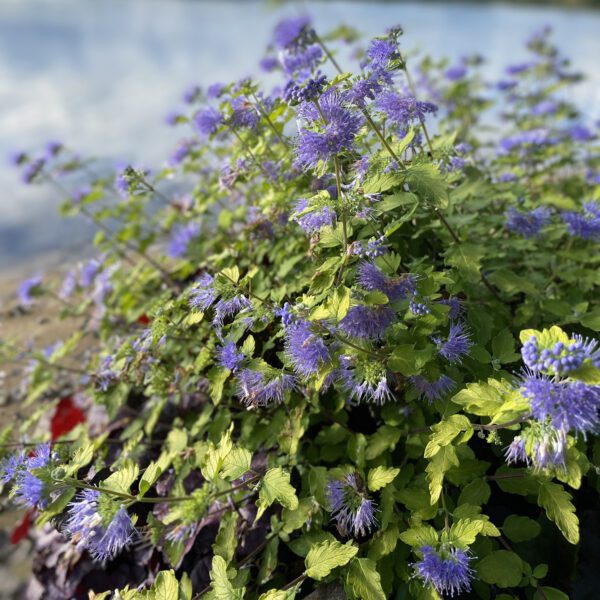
346 333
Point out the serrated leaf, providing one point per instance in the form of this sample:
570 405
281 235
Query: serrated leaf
464 531
364 580
444 432
428 184
380 476
221 586
553 498
445 459
226 539
423 535
153 471
276 486
326 556
122 480
236 463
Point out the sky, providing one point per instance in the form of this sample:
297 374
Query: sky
101 75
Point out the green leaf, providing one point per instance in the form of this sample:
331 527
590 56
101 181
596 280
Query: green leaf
222 587
295 519
553 498
445 459
153 471
503 347
385 438
122 480
422 535
483 399
236 463
428 184
226 540
339 303
326 556
549 593
477 492
383 542
520 529
276 486
444 432
380 476
464 531
364 580
165 586
466 257
501 568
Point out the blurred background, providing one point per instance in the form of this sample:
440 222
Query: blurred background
101 75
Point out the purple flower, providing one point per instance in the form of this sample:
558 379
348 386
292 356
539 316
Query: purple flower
569 406
214 90
367 382
375 247
89 271
285 314
562 358
545 107
418 308
268 64
173 117
518 68
361 90
403 110
181 152
225 308
255 389
448 571
305 349
456 345
586 224
367 322
579 133
229 356
32 170
515 451
28 489
395 288
207 120
527 224
103 536
17 158
379 53
313 221
52 149
302 64
244 113
432 390
288 31
507 177
11 466
28 289
332 137
191 94
350 506
307 91
456 72
203 294
181 237
69 285
528 138
456 307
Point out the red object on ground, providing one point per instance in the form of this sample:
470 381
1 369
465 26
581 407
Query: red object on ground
65 417
21 530
143 319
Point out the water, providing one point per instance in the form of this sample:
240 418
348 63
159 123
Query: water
102 74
